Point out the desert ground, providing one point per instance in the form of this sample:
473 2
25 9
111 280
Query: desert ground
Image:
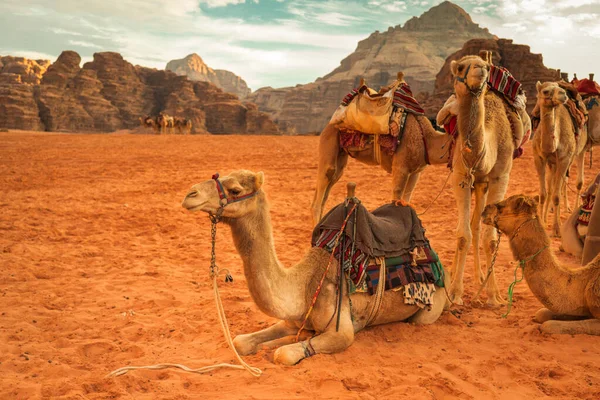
101 267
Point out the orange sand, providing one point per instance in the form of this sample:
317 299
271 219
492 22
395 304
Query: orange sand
101 268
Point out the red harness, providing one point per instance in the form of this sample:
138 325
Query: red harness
223 199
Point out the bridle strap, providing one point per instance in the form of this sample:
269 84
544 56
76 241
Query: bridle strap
223 199
463 79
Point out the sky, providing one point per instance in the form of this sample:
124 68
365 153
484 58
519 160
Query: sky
279 42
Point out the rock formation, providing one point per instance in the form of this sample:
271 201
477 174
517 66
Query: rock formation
419 49
194 68
109 93
527 67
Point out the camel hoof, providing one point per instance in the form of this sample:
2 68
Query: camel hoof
457 300
543 315
289 355
243 346
496 301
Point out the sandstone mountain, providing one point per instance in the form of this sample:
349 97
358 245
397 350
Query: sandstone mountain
194 68
419 49
109 93
528 68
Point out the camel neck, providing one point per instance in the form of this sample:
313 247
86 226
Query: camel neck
546 278
268 281
547 127
471 123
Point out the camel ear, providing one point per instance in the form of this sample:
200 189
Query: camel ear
454 67
538 85
526 203
259 179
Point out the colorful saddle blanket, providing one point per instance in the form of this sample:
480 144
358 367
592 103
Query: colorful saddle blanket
392 232
501 80
403 98
587 87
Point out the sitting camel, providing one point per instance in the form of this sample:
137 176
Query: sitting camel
419 146
286 293
556 145
571 296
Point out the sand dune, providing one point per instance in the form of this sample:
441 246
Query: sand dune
100 268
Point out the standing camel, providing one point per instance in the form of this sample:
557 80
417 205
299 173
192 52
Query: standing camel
482 163
420 145
286 293
556 146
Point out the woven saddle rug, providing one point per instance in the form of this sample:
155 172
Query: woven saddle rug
392 234
403 101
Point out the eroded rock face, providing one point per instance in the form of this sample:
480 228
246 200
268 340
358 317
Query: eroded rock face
419 49
109 94
18 79
194 68
526 67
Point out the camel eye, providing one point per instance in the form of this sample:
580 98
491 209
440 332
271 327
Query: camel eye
460 68
234 192
546 92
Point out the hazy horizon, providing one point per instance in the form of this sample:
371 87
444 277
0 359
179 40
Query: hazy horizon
279 42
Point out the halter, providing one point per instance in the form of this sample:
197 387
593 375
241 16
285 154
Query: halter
224 200
463 79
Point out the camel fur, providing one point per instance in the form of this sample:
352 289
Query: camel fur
556 147
571 296
482 162
286 293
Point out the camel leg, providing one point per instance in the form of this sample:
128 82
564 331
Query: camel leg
558 182
543 315
463 237
580 176
410 186
480 202
400 180
248 344
328 342
565 194
540 166
332 162
497 191
586 327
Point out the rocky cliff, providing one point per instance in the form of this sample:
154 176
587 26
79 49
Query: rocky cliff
419 49
526 67
194 68
109 93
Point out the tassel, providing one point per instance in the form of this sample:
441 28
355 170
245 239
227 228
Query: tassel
228 277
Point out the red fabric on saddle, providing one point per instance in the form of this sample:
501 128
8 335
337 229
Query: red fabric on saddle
403 98
501 80
587 87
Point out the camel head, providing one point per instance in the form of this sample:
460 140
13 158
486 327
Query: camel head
470 75
510 213
238 194
549 94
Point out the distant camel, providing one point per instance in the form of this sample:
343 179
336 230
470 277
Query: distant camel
183 125
165 123
148 122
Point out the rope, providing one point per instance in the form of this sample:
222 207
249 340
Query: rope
511 287
331 257
438 195
214 273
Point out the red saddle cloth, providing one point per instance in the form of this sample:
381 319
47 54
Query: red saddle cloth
587 87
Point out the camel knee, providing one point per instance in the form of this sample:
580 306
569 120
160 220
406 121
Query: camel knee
244 345
464 242
579 185
556 200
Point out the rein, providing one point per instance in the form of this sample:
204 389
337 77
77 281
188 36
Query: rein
213 273
520 266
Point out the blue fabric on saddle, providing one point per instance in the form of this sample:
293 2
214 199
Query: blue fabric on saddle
392 232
